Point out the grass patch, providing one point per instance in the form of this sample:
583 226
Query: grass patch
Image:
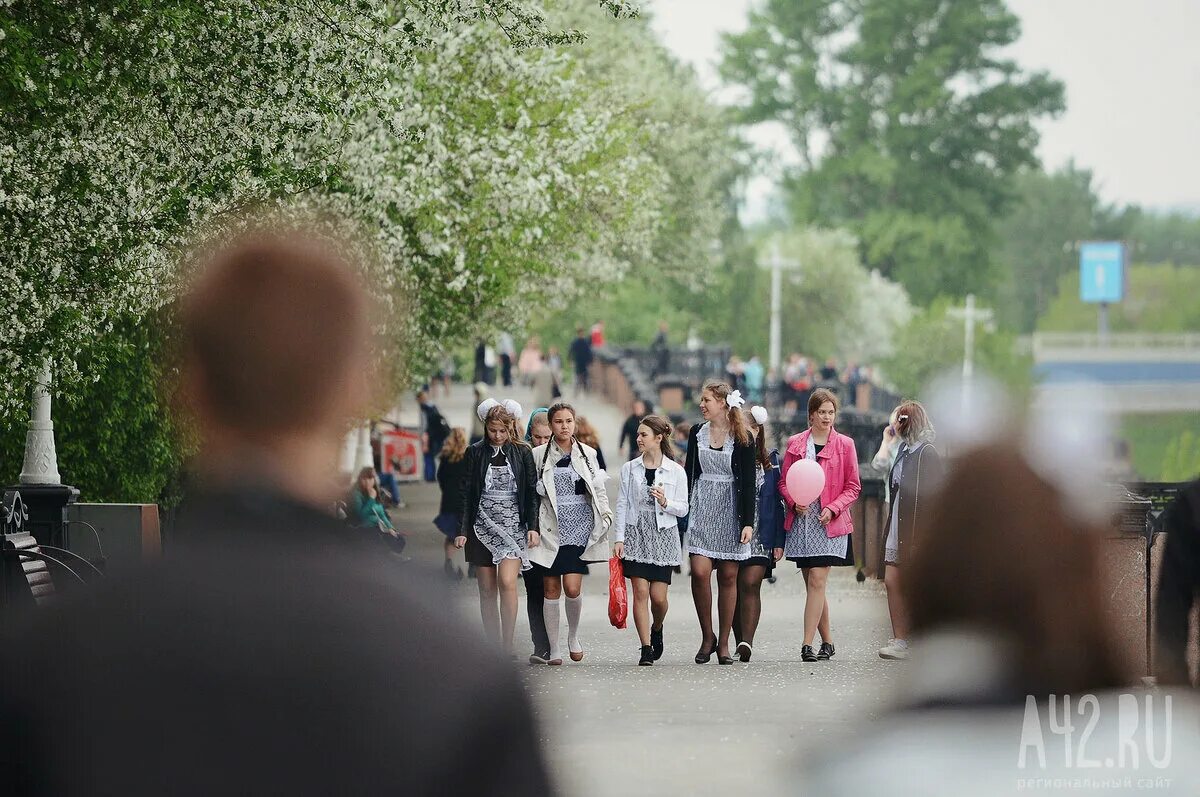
1150 437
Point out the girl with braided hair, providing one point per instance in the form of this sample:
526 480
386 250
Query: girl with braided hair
573 519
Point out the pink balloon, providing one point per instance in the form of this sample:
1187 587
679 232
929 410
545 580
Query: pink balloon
805 481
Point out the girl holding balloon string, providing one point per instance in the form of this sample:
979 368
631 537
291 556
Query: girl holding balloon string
818 522
722 491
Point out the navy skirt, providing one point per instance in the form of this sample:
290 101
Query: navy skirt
448 523
567 561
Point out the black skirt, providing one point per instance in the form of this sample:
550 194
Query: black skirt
826 561
475 552
649 572
759 561
567 562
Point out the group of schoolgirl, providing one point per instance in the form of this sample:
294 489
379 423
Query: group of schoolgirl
535 506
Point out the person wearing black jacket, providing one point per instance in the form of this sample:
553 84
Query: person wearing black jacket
499 516
1177 586
767 546
271 649
629 431
452 479
720 467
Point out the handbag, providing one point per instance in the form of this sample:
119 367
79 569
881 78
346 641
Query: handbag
618 597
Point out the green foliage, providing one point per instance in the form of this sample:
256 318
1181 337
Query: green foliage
1165 238
1052 213
117 439
1182 459
932 344
1159 298
1163 446
908 121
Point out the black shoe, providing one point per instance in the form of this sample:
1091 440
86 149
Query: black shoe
647 656
706 652
539 657
826 651
744 651
806 653
656 642
724 659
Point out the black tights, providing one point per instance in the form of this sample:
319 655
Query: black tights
749 602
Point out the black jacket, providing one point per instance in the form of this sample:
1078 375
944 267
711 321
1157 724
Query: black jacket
1177 585
520 457
744 474
452 479
269 652
919 476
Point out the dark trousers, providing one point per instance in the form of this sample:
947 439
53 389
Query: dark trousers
430 466
506 370
535 593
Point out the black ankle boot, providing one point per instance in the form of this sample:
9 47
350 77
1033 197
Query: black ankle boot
806 653
826 651
656 643
647 656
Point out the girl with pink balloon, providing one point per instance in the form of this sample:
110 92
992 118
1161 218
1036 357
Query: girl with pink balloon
820 483
723 493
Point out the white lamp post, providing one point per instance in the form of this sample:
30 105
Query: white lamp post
41 459
775 350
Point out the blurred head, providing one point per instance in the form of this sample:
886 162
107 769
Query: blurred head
498 424
822 409
366 480
654 433
1035 579
455 446
275 344
639 408
562 422
912 423
586 433
538 430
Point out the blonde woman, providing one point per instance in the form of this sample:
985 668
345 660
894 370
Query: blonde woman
499 516
573 520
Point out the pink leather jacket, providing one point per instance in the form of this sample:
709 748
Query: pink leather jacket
839 460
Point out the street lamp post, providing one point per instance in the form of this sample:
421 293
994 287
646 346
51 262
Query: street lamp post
41 487
775 351
969 314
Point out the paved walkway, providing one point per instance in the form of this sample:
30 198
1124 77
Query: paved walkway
611 727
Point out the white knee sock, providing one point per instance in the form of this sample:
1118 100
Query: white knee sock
551 612
574 608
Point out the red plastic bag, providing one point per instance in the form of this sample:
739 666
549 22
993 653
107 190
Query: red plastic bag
618 598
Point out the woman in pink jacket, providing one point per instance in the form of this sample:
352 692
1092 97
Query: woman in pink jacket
818 535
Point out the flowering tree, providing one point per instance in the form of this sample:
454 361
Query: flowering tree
132 123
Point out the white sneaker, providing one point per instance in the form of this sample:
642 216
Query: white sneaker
894 650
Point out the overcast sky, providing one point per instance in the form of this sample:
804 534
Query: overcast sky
1131 69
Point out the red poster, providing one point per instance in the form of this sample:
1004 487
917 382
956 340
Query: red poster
400 453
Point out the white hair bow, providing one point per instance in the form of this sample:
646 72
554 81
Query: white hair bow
760 415
734 399
513 408
485 407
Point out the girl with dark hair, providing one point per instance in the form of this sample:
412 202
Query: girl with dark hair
573 519
537 433
767 546
653 496
499 521
721 488
818 535
913 477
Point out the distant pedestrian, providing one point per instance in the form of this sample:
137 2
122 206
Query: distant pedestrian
581 358
507 350
367 511
818 535
629 431
531 361
434 429
597 334
574 520
653 496
753 375
722 491
767 546
452 479
661 352
499 521
829 372
912 480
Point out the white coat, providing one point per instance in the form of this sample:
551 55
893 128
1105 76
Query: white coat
670 476
582 457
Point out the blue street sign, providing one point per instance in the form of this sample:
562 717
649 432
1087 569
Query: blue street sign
1102 271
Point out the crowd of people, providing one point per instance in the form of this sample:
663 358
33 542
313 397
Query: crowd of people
718 501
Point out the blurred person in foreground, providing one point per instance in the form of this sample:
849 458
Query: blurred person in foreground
1008 598
271 651
1178 586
